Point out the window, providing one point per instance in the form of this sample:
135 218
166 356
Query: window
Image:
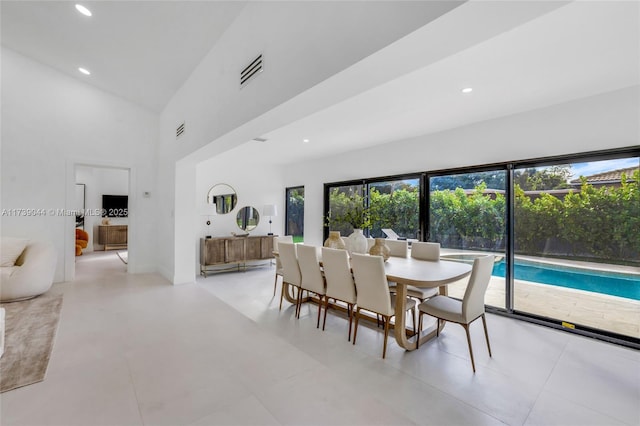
395 205
467 216
374 205
294 224
577 243
563 230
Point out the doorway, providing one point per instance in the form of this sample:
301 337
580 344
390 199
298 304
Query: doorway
102 207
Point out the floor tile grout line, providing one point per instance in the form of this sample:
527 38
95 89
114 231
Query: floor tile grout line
544 385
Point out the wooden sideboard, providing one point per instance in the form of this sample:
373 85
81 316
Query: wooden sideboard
216 253
112 236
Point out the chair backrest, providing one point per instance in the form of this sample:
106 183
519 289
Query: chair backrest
276 241
283 239
290 268
397 248
473 300
371 283
337 272
309 262
425 251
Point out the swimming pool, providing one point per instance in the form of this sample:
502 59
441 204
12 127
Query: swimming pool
615 284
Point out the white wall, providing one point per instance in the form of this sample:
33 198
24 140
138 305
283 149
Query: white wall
99 181
255 185
303 43
50 123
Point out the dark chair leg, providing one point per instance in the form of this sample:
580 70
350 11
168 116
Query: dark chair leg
355 331
282 294
413 320
275 285
326 308
486 334
387 320
350 312
419 328
466 329
298 302
319 309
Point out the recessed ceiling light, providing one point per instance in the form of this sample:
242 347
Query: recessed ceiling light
467 90
83 10
305 140
84 71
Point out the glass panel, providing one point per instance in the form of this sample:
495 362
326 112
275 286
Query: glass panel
468 218
395 206
295 213
577 244
346 209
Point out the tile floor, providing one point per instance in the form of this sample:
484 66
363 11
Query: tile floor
133 350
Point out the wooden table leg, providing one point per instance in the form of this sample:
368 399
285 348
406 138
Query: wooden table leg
400 326
289 297
401 313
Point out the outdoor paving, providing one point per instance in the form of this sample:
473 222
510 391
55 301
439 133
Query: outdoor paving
611 313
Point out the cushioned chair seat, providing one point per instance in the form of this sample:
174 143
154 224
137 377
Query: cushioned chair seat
446 308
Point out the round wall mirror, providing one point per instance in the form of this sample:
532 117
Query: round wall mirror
247 218
223 197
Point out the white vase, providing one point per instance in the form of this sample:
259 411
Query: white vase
357 242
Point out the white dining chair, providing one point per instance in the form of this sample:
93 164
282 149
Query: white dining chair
397 248
340 284
372 293
276 255
400 248
466 311
312 277
424 251
290 269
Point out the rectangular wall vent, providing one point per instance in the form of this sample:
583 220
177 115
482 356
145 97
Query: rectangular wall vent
179 130
251 70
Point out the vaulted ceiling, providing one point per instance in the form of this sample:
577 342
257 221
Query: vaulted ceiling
144 51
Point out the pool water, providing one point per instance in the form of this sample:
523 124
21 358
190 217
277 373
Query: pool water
615 284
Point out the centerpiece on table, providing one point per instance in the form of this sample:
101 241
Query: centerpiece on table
359 217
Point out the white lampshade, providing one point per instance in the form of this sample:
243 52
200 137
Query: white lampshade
270 210
208 210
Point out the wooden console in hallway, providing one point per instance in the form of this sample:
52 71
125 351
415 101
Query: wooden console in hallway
113 236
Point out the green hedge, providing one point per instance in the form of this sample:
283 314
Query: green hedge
595 223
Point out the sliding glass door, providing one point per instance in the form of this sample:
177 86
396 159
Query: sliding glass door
577 243
467 216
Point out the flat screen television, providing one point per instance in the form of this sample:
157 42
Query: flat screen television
115 206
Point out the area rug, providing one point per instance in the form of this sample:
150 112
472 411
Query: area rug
30 331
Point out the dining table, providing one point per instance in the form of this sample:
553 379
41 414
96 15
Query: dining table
405 271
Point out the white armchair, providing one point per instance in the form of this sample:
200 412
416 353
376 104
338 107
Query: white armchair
32 273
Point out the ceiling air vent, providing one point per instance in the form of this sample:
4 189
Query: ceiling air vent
251 70
179 130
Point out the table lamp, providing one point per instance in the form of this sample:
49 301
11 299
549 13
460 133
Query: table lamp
270 210
208 210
